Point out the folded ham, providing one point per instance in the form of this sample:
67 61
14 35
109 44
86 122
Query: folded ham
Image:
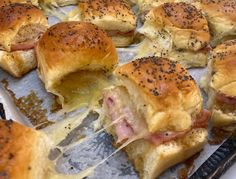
129 123
112 33
223 98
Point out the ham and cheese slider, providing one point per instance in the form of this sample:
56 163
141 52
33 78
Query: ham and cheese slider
177 31
114 16
23 152
74 61
157 99
221 15
220 84
21 25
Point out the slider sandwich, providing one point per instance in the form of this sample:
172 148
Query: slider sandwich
114 16
23 152
177 31
21 26
221 15
7 2
74 61
157 99
220 85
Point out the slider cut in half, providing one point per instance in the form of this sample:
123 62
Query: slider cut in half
23 153
57 3
74 61
221 15
158 101
177 31
222 84
7 2
114 16
21 25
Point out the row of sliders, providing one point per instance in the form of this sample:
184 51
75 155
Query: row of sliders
177 31
151 99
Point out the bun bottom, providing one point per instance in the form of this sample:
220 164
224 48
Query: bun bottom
150 160
18 63
121 41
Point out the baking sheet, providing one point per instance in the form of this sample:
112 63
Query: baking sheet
117 167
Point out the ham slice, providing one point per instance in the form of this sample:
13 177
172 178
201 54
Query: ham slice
163 137
202 119
223 98
128 122
23 46
112 33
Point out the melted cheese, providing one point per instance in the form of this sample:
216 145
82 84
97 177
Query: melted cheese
58 131
56 12
82 89
74 15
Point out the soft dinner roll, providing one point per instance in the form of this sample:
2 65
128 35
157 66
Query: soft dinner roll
23 153
21 25
72 58
157 99
6 2
114 16
178 31
58 2
222 84
221 15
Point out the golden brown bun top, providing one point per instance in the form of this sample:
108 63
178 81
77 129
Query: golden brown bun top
188 26
117 12
181 15
73 46
220 8
224 64
15 16
162 81
17 150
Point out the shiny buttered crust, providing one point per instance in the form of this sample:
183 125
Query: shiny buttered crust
222 79
18 63
108 14
15 16
58 2
221 15
150 160
186 24
23 151
6 2
68 47
223 66
170 95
